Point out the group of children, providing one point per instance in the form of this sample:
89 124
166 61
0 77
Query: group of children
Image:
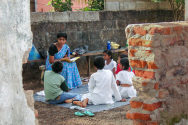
108 81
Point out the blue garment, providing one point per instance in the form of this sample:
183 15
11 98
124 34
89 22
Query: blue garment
64 96
70 71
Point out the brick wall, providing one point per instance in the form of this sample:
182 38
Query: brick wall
158 53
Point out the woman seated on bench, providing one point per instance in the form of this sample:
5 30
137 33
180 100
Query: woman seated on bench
58 51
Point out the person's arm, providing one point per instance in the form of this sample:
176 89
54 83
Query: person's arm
91 84
64 86
114 72
117 82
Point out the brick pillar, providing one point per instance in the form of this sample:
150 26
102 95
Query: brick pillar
158 54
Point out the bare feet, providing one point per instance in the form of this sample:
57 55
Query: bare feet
123 100
84 103
79 103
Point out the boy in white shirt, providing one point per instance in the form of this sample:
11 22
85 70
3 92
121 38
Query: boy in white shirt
100 85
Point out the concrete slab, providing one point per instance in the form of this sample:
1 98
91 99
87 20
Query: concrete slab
112 6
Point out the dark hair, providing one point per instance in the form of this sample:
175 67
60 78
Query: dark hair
62 34
123 56
126 49
125 62
99 62
57 66
108 52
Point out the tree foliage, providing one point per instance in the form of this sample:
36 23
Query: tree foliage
177 6
94 5
61 5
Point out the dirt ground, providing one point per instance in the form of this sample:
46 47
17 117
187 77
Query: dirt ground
55 115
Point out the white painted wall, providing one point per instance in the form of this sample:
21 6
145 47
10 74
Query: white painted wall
15 40
186 10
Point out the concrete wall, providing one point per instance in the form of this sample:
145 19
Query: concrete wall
186 10
158 54
16 39
135 5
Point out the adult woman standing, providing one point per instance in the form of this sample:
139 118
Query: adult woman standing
58 51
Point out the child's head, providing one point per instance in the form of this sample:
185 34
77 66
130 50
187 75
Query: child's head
107 54
99 62
57 66
124 63
121 57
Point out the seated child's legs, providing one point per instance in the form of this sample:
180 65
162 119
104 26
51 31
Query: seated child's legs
65 96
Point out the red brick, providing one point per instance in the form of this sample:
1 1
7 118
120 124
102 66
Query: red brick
135 42
144 83
151 123
151 65
139 122
178 29
156 86
140 30
154 30
146 43
151 107
166 31
129 115
186 29
163 94
132 51
36 113
145 74
148 52
135 104
138 63
141 116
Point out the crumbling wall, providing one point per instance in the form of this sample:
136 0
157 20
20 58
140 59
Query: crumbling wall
16 39
158 53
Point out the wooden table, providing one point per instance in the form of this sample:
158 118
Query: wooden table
98 52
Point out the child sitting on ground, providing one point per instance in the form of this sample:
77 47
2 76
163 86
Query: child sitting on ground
55 85
110 64
124 77
100 85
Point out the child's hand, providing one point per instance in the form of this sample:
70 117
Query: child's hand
123 100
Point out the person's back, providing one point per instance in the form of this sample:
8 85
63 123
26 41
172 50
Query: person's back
52 83
103 81
55 87
100 85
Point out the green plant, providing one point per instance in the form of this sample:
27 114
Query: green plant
61 5
94 5
177 6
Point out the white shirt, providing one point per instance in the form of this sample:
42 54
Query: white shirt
111 65
100 85
125 77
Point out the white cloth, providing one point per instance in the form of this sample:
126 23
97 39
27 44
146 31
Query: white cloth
41 93
125 77
111 65
100 85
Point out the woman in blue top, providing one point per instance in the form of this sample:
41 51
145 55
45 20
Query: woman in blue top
57 51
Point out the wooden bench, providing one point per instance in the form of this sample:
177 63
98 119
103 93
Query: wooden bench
88 54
